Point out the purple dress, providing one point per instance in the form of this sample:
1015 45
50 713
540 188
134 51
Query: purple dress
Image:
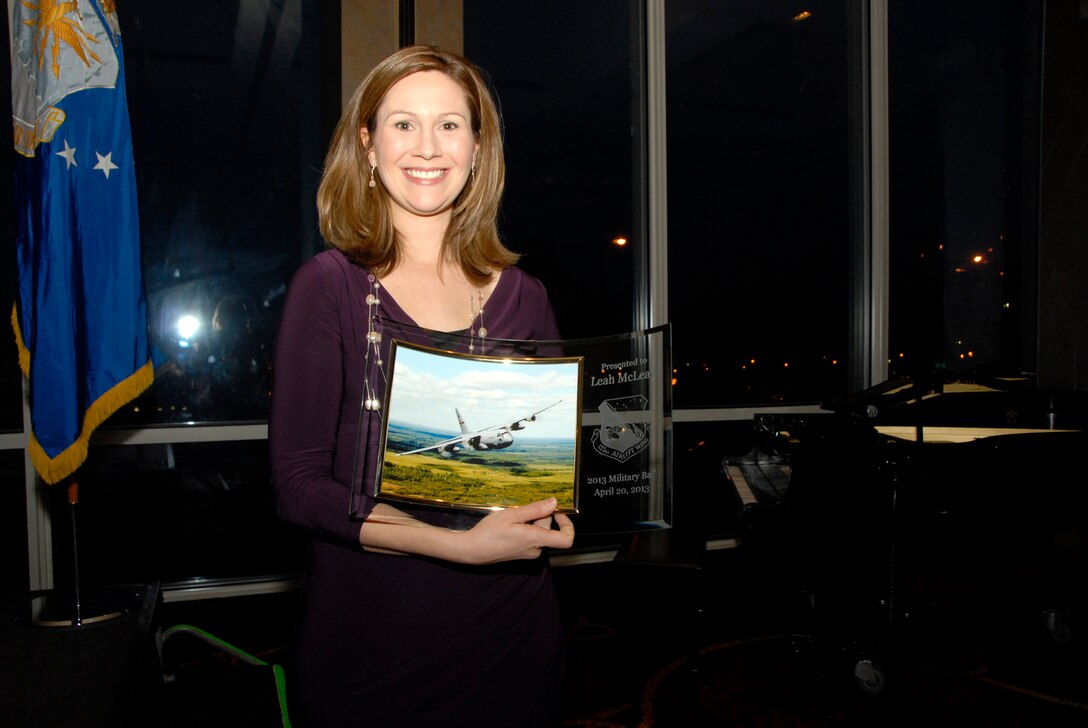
390 640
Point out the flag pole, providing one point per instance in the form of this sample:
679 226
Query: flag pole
73 501
77 607
80 320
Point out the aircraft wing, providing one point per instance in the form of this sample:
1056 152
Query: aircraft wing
436 446
519 424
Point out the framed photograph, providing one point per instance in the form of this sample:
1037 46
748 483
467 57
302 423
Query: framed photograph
480 432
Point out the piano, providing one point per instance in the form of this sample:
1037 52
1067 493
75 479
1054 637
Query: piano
920 497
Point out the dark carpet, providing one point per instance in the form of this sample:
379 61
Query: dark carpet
740 648
729 644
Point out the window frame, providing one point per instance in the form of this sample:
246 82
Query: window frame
868 335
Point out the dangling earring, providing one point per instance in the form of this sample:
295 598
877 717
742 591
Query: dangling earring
472 171
372 168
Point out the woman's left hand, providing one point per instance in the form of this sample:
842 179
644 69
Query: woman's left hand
517 533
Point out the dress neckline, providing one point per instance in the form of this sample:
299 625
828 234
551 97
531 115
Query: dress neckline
397 313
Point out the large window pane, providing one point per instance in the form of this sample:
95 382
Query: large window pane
225 104
13 529
758 194
173 513
563 75
962 104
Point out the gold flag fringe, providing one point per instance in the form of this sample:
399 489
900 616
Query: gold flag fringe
53 470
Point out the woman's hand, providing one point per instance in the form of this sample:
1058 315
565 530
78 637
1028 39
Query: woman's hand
516 533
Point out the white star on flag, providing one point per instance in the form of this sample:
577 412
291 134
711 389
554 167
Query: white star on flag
69 155
105 164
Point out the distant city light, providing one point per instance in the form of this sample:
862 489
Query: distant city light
619 242
977 259
803 15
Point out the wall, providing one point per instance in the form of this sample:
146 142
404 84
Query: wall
369 33
1063 266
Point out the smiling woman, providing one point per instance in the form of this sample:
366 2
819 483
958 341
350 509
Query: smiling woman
430 610
422 148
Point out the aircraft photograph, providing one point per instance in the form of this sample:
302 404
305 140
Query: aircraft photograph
495 437
527 451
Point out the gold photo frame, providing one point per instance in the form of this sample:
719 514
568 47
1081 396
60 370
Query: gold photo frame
480 432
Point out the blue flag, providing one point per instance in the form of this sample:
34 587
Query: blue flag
80 316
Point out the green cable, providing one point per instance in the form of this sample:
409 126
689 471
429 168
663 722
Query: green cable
281 692
277 670
213 640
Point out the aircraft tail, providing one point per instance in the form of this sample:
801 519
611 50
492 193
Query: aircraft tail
461 422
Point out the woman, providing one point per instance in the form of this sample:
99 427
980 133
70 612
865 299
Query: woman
405 623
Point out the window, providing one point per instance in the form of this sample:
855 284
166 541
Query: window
563 74
175 512
758 200
225 106
963 98
228 104
13 573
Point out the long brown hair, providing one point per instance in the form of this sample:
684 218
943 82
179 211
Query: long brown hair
357 219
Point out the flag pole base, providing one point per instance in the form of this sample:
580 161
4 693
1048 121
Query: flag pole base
57 608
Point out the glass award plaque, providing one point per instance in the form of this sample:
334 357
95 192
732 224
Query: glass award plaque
453 426
625 478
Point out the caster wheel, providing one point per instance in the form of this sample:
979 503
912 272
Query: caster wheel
870 678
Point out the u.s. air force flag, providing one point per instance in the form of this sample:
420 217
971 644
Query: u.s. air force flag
80 317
